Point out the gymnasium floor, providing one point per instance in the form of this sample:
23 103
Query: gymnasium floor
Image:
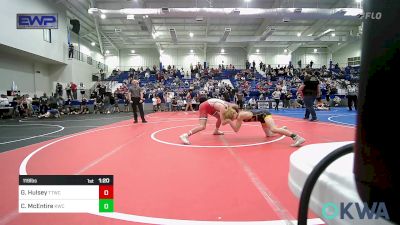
237 178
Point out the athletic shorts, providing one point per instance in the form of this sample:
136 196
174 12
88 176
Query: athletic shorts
206 109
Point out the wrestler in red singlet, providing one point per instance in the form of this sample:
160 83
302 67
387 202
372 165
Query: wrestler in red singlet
214 107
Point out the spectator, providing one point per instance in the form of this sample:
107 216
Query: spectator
74 89
43 103
70 51
68 90
174 104
310 90
168 98
4 101
59 89
82 89
154 102
84 108
189 98
252 103
276 95
239 99
126 103
114 102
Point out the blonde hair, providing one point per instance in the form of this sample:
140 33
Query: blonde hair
229 113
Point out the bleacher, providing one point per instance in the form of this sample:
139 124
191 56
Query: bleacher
349 74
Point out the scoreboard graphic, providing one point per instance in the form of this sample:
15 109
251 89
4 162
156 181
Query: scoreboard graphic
66 194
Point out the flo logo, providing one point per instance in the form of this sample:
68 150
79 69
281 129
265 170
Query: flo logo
371 15
331 211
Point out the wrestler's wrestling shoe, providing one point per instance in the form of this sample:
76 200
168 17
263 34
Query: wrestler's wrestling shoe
298 141
185 139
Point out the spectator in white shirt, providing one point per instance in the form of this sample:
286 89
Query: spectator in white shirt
4 101
276 96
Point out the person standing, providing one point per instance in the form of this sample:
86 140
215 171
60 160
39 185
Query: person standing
59 89
71 51
82 89
136 96
310 90
239 99
68 90
189 98
74 89
276 95
351 96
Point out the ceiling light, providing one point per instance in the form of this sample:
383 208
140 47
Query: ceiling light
191 34
298 34
172 32
358 1
191 50
199 19
103 16
298 10
107 51
133 51
147 16
333 34
327 32
93 10
247 0
130 17
93 43
315 50
353 12
165 10
285 51
226 33
222 50
258 50
268 32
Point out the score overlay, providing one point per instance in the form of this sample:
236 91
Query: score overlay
66 193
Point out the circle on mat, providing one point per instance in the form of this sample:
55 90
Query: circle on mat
138 218
153 136
33 136
350 123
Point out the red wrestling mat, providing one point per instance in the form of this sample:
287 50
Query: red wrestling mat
238 177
